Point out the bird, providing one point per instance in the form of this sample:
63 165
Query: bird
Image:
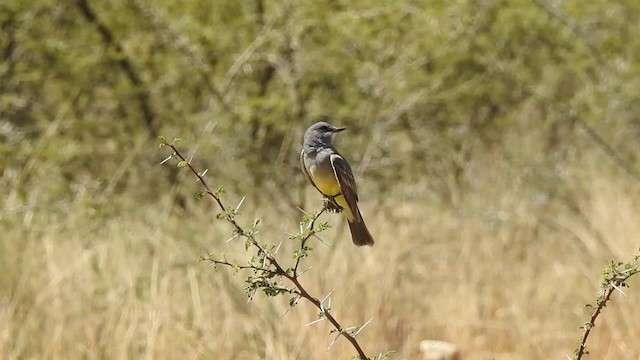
330 173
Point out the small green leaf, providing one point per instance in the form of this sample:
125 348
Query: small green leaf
199 195
182 164
236 268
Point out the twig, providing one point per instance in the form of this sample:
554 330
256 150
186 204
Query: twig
615 277
306 238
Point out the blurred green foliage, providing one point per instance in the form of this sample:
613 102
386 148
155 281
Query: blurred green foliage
86 86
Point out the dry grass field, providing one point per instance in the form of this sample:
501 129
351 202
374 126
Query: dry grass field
502 270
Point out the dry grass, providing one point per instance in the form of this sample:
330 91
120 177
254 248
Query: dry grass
504 272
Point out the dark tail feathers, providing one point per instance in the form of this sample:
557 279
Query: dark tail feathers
359 233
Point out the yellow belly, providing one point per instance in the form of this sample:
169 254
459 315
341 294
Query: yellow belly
328 185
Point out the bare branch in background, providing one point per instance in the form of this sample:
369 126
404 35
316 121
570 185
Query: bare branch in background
582 34
141 92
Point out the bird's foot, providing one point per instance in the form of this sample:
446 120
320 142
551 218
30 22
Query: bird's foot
331 205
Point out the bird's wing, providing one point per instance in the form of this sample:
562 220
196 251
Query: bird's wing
348 187
306 172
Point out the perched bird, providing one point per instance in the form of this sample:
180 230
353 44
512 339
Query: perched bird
331 174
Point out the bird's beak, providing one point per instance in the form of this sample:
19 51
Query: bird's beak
338 129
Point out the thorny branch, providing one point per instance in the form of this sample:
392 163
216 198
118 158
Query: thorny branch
615 276
264 275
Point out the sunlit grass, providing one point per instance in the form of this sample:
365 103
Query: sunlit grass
504 272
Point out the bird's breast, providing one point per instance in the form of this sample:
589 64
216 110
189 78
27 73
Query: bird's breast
321 172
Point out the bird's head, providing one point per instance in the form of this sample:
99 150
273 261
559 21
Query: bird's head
321 133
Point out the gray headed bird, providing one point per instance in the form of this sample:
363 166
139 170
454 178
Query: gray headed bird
331 174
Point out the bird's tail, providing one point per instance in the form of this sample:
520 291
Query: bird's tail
359 232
